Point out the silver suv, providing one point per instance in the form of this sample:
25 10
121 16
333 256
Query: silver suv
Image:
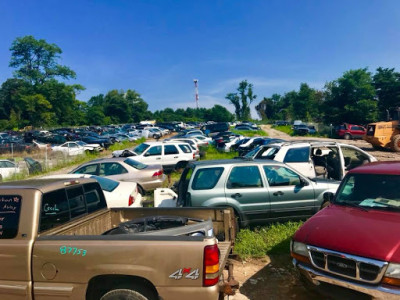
314 158
257 190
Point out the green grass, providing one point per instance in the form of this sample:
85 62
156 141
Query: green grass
212 153
250 133
260 241
284 128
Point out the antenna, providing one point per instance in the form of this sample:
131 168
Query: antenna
196 89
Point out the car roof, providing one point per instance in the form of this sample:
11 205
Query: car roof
235 162
379 167
44 185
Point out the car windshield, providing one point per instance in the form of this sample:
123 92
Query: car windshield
140 148
106 184
373 191
252 153
135 164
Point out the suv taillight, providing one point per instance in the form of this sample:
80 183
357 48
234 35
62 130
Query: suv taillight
194 155
158 173
211 265
131 200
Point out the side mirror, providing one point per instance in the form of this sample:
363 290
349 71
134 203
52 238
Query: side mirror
328 196
146 154
303 182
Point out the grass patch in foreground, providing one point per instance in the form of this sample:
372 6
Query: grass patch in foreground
260 241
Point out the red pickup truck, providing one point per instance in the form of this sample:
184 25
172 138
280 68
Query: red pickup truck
355 241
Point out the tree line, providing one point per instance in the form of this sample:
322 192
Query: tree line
38 95
358 96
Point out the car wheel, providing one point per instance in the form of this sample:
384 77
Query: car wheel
347 136
124 294
141 190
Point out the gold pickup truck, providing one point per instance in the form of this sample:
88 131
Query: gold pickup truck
58 240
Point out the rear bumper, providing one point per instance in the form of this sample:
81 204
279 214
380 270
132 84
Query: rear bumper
192 293
379 291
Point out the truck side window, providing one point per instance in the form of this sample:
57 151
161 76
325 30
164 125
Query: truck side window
207 178
76 201
54 209
10 207
94 197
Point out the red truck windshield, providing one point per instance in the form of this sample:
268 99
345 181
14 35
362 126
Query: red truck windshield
372 191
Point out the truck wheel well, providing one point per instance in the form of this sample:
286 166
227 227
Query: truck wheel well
102 284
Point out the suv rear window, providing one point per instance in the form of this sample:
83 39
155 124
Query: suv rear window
206 178
10 207
297 155
185 148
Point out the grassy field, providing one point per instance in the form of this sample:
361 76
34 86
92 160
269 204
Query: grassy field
250 133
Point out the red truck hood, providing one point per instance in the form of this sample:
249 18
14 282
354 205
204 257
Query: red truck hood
372 234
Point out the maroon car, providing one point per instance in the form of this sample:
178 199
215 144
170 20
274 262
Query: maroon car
350 131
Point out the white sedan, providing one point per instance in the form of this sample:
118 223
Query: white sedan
117 193
8 168
76 148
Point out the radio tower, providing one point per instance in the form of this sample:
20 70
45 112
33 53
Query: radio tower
196 89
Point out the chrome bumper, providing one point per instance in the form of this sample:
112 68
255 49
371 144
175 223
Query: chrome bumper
377 292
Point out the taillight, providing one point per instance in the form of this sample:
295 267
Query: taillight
131 200
211 265
194 155
158 173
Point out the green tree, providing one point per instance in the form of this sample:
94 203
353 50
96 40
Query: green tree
242 100
218 113
37 110
347 96
36 60
387 86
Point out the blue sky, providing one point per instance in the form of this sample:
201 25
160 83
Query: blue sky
158 47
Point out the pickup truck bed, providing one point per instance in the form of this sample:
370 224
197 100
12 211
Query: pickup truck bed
48 254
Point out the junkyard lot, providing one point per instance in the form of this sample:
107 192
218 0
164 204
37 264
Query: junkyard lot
274 277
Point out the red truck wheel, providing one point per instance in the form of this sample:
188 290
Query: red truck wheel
123 294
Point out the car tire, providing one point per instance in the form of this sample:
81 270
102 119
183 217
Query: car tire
347 136
124 294
181 165
141 190
396 143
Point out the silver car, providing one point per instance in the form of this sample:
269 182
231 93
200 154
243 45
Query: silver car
148 177
258 190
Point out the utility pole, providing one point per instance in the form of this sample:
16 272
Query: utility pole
196 89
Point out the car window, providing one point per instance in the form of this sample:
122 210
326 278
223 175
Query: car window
140 148
108 169
76 201
54 209
244 177
155 150
297 155
353 157
94 197
170 150
10 207
206 178
281 176
8 164
135 164
185 148
89 169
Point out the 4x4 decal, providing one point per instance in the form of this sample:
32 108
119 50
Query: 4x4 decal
190 274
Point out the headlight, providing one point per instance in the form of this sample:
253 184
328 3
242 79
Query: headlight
393 271
299 248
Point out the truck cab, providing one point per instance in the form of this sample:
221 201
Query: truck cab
354 242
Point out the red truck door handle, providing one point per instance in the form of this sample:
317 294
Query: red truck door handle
279 193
